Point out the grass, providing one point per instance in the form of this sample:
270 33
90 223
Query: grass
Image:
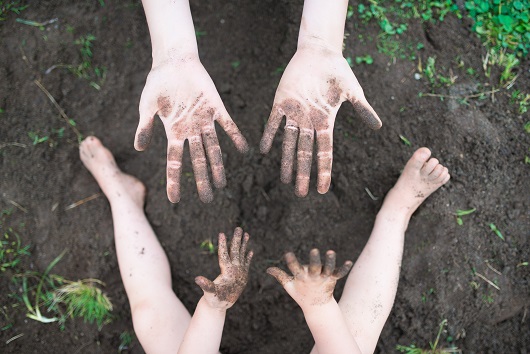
83 299
496 231
95 75
412 349
126 339
11 250
7 7
48 297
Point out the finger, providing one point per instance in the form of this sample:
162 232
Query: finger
200 170
244 244
366 112
280 275
429 166
174 170
315 265
292 264
325 159
214 156
222 252
288 150
304 158
232 131
144 131
235 245
329 263
270 129
344 270
248 259
206 285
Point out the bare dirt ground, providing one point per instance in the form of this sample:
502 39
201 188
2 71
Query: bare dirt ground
483 144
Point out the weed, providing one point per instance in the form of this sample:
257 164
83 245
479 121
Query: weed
85 70
366 59
11 6
208 246
459 213
496 231
235 64
11 250
36 139
412 349
435 79
502 24
523 101
425 295
126 339
199 34
522 264
405 140
350 12
84 300
488 298
349 61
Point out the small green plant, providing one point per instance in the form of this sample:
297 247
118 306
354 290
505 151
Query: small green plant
367 59
502 24
126 339
488 298
208 246
412 349
11 250
235 64
11 6
435 79
83 299
199 34
496 231
523 101
425 295
36 139
405 140
459 213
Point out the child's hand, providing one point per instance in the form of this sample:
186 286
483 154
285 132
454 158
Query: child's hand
313 86
311 285
224 291
184 96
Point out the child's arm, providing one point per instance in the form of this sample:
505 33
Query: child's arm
206 326
311 286
181 92
312 88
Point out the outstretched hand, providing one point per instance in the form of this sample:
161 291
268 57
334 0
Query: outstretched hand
311 90
224 291
311 285
184 96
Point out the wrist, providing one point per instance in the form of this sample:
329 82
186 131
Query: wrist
177 54
213 309
318 309
323 24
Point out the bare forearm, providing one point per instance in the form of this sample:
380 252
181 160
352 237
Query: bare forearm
171 29
329 329
323 23
205 330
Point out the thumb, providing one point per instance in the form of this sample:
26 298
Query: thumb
365 111
145 129
280 275
206 285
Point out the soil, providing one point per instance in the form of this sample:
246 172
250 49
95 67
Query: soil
483 143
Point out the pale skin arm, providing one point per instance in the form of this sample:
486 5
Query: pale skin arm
314 85
311 286
219 295
181 92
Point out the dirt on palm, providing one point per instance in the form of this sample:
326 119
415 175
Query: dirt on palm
243 45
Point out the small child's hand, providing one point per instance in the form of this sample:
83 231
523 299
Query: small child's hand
224 291
311 285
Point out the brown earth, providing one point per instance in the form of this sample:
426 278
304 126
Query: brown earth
482 143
